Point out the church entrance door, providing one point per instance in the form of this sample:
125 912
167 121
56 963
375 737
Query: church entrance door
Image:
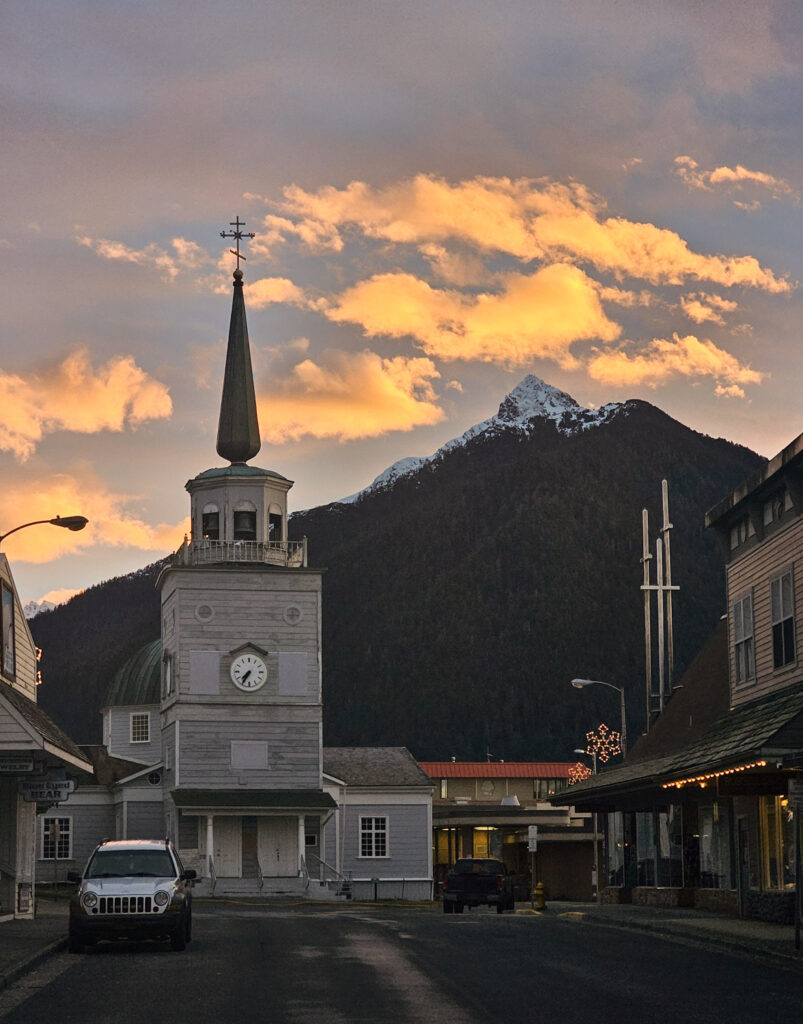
228 847
278 847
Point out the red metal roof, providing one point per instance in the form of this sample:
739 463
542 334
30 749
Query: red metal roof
497 769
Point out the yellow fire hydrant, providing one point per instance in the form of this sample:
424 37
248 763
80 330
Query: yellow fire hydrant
540 897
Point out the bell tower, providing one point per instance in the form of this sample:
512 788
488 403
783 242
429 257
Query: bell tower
241 708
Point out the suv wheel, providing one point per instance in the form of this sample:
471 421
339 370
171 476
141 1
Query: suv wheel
178 939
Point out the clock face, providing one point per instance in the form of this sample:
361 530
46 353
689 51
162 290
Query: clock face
249 672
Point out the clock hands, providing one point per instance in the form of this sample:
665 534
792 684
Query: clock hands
246 675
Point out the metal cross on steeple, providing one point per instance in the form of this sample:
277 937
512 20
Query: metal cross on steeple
238 234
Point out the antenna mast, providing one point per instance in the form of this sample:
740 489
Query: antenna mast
656 699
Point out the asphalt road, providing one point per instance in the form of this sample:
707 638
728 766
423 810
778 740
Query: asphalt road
323 965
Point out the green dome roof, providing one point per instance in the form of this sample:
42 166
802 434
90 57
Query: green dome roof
139 680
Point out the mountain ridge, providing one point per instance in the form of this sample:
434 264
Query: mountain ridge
461 598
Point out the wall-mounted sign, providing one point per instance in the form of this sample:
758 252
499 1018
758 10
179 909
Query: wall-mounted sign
49 790
15 765
532 838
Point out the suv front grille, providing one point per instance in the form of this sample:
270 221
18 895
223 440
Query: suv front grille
126 905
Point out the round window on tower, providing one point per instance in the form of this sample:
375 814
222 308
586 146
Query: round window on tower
204 612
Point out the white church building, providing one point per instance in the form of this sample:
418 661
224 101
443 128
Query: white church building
213 734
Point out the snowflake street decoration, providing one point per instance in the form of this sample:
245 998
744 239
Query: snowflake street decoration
603 742
578 772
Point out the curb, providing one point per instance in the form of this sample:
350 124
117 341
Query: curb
695 938
17 971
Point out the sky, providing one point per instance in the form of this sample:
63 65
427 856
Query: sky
446 196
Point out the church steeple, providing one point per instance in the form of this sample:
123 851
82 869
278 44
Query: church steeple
238 427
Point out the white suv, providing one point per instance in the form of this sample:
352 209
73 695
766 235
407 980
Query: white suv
132 889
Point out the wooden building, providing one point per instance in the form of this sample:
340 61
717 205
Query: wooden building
706 810
37 760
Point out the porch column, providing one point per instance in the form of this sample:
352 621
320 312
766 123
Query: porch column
301 846
210 843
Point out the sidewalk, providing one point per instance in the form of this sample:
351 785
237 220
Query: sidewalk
755 937
24 944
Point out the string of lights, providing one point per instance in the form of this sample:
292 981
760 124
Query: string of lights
703 779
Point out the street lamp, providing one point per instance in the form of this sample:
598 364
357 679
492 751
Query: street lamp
580 684
592 755
74 523
595 825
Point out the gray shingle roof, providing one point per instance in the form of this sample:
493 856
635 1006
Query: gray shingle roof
41 722
374 766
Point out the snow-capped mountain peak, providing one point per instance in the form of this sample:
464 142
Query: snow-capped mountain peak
532 399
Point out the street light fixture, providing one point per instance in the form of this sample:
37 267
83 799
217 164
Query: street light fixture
580 684
74 523
592 755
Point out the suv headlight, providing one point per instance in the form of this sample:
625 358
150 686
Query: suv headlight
161 899
89 900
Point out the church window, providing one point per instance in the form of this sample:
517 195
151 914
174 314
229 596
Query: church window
140 727
8 658
210 523
783 623
373 837
167 671
56 838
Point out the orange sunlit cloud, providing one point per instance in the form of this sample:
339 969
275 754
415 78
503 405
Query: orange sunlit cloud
688 170
186 255
537 315
351 395
60 596
663 359
525 218
268 290
74 396
67 494
702 307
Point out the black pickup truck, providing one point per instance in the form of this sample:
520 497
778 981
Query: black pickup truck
477 881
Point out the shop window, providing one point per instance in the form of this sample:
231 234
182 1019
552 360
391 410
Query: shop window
743 637
783 623
614 838
645 848
56 838
669 847
444 790
715 858
777 822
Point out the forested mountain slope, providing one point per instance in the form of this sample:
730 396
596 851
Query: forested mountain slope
465 591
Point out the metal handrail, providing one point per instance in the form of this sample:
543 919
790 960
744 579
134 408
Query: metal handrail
328 867
289 553
303 872
260 876
212 876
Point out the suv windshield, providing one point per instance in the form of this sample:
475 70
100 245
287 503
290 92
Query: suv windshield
127 863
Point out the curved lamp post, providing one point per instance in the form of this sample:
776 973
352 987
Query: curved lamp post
580 684
74 523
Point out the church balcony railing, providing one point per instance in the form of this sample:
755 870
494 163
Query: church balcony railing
287 553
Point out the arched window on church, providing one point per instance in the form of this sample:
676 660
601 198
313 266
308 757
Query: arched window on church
245 521
210 522
275 524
